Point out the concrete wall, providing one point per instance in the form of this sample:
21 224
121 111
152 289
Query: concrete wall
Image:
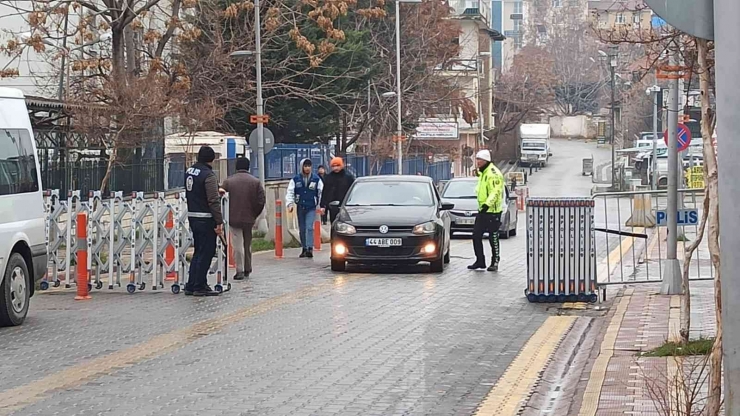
570 126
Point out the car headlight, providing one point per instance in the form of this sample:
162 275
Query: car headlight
426 228
344 228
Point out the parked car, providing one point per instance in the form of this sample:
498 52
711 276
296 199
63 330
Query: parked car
461 193
394 219
22 224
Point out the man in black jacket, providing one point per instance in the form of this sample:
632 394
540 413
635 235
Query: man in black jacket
336 185
205 218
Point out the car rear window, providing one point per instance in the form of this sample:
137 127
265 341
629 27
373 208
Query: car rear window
460 189
390 193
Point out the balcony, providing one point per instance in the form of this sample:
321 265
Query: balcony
472 9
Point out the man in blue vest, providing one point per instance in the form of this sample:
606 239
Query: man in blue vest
304 195
205 218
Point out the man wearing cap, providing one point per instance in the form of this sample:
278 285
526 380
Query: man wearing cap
205 218
489 191
304 195
336 186
246 202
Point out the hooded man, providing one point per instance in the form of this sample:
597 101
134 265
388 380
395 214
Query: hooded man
490 194
304 195
246 202
205 218
336 185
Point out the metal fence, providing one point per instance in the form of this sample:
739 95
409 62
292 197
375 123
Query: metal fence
631 235
87 175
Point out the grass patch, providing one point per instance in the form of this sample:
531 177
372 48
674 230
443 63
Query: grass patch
701 346
260 244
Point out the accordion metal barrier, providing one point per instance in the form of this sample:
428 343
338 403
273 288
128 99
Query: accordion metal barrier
561 250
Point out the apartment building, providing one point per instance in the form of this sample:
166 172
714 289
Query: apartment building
616 14
510 18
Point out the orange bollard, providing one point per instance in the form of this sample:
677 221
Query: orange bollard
169 252
317 231
232 260
279 229
83 275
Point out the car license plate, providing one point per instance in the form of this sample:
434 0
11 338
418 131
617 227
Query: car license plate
465 221
383 242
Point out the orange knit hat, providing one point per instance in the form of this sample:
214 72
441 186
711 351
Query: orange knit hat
336 161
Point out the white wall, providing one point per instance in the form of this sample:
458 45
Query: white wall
570 126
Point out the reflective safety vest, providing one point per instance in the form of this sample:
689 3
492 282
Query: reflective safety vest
490 188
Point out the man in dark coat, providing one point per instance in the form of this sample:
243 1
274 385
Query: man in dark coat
336 185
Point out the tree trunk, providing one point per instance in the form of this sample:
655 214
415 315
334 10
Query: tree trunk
714 402
108 170
118 61
686 297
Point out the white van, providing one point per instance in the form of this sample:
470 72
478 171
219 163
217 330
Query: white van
22 228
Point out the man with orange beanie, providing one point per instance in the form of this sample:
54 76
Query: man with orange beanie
336 185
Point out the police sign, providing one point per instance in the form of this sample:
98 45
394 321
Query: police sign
685 217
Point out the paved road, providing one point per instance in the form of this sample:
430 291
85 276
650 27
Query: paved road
296 339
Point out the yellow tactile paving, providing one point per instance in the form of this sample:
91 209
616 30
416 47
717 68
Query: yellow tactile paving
513 388
598 373
574 305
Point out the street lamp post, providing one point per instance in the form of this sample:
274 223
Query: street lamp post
654 90
399 125
613 68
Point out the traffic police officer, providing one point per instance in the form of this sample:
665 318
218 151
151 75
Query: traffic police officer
205 218
489 191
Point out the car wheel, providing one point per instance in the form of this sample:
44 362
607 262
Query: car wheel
512 233
338 265
437 266
446 258
14 292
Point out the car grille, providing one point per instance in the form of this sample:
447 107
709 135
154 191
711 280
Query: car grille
462 214
383 251
391 229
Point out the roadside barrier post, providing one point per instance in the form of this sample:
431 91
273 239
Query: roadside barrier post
83 274
317 231
169 254
279 229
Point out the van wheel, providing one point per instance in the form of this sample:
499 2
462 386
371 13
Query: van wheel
14 292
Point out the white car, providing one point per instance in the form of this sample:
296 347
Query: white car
23 259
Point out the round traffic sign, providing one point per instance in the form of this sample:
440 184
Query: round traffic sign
683 137
267 135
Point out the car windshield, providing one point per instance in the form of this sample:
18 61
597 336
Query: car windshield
460 189
390 193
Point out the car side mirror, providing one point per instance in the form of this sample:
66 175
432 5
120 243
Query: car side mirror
549 154
335 203
446 206
512 198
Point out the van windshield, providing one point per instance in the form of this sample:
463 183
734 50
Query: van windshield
531 145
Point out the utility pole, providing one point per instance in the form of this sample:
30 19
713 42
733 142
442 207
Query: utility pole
261 221
672 268
727 31
613 68
654 91
399 128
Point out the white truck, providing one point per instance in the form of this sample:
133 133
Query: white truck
534 140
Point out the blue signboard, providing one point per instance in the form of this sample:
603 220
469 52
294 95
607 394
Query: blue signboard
685 217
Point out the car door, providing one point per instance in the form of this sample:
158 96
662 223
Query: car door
445 216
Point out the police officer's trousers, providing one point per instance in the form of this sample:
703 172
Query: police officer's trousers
486 222
204 234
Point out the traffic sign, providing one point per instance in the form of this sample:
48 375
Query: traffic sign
264 119
685 217
684 137
267 135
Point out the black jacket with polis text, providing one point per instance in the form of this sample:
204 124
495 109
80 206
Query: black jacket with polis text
201 191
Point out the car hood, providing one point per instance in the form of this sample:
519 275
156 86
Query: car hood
463 204
383 215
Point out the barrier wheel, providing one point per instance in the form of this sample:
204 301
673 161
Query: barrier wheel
98 285
541 298
44 285
582 297
68 286
175 289
593 298
110 287
219 288
561 298
228 286
142 286
131 288
57 283
551 298
532 298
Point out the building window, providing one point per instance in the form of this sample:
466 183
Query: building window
17 162
518 7
620 19
518 26
557 3
636 18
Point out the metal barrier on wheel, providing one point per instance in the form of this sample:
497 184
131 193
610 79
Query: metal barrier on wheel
147 238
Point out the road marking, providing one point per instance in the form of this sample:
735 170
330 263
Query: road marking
513 388
609 264
598 372
77 375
